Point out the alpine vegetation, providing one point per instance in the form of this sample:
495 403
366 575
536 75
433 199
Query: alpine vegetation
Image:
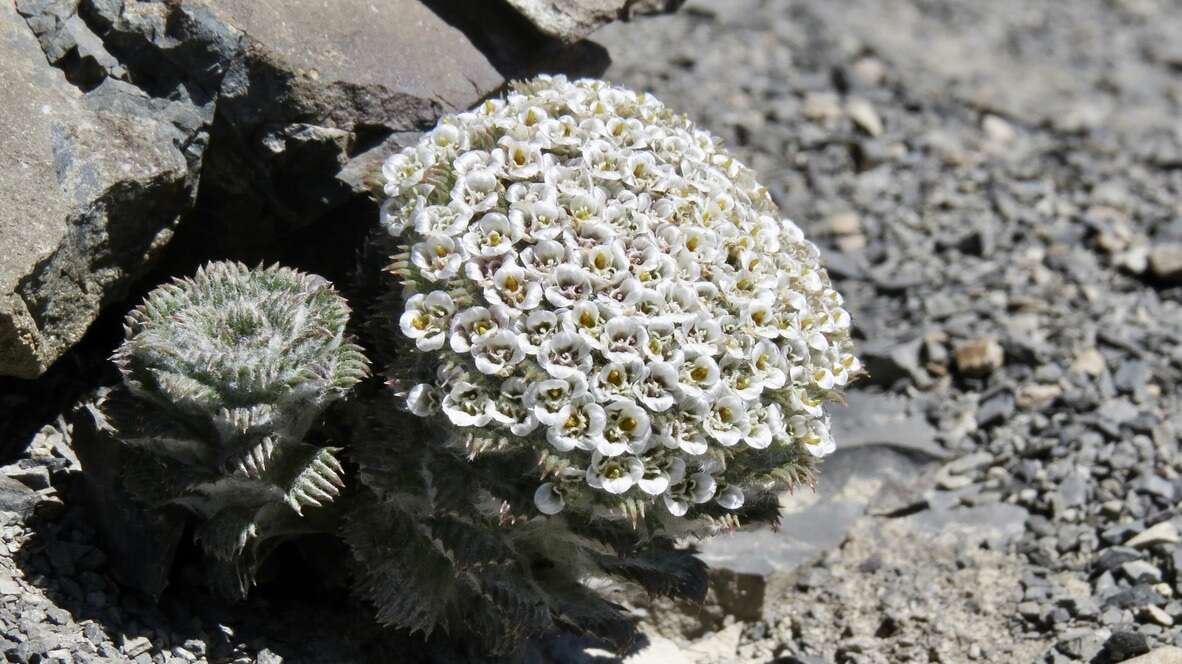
612 341
224 374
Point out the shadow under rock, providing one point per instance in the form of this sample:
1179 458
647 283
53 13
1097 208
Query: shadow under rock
26 405
290 614
300 612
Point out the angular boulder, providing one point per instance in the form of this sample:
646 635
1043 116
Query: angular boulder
93 187
572 20
118 109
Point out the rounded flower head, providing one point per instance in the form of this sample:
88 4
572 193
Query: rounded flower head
608 286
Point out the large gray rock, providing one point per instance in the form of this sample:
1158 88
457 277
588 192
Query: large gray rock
571 20
116 108
91 190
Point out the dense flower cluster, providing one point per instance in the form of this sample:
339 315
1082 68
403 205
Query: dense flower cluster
588 273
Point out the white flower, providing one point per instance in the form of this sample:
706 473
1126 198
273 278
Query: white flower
813 433
697 375
728 422
681 427
603 160
617 379
606 263
395 214
623 340
660 473
497 353
628 428
738 377
731 497
476 182
493 235
586 320
614 474
436 257
658 389
822 378
423 400
467 405
549 498
766 422
510 409
564 355
582 428
513 288
767 364
568 284
799 401
760 315
426 319
404 170
695 489
475 323
703 336
523 159
665 342
681 301
539 326
543 258
551 400
447 220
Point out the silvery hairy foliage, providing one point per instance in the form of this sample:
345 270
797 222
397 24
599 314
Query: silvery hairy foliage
606 341
224 374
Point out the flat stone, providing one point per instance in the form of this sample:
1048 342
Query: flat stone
28 472
1162 533
815 521
571 20
1165 655
888 361
376 59
1122 646
16 497
996 409
869 418
1140 571
979 357
1165 262
994 523
1157 615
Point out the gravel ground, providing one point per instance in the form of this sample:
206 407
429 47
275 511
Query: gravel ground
996 187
